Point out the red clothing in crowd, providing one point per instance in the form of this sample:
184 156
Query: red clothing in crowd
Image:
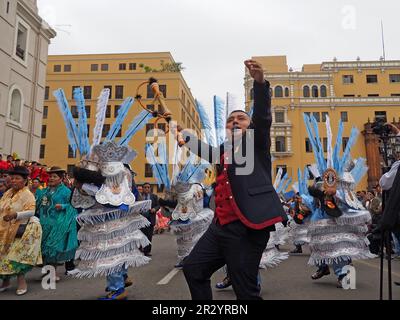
44 176
35 173
4 165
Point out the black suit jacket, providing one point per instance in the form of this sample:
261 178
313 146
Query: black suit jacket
154 205
254 194
391 216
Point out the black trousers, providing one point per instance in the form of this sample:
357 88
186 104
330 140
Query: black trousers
235 245
149 231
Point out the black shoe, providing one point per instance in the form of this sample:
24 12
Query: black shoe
321 273
226 283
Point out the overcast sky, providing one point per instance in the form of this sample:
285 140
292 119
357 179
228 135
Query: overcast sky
212 38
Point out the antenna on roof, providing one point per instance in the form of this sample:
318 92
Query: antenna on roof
383 42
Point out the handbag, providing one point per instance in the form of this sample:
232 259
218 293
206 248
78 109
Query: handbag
21 231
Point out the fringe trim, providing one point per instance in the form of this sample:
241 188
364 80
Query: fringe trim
87 255
354 219
96 216
332 247
190 235
136 261
272 260
85 235
315 230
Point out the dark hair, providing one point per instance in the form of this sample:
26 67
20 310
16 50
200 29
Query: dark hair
87 176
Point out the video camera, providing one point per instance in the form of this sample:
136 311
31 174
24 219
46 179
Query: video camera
380 128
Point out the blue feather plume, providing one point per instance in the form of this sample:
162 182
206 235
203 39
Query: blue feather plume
359 170
219 120
83 136
137 124
206 124
122 113
338 146
159 168
313 141
70 125
346 155
319 143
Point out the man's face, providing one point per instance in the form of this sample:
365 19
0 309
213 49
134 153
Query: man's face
35 184
146 189
237 124
140 189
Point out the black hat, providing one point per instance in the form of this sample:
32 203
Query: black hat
21 171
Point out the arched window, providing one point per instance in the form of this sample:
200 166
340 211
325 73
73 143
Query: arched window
324 91
280 144
306 91
287 92
278 92
16 104
315 91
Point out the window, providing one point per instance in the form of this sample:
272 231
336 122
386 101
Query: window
21 46
150 107
57 68
160 189
394 78
42 151
252 94
119 134
324 91
372 78
108 112
395 94
163 89
344 116
87 108
132 66
46 93
279 117
306 91
119 92
325 144
349 95
71 154
381 115
45 112
87 92
345 141
70 169
67 68
317 116
16 104
278 92
44 131
280 144
373 95
74 112
104 67
284 169
116 110
73 89
122 66
8 7
188 122
348 79
149 127
106 129
94 67
163 128
324 115
110 88
148 172
183 115
308 146
315 91
287 92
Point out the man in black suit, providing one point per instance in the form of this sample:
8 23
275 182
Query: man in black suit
150 215
247 206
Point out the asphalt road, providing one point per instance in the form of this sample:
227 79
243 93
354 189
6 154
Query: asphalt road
160 281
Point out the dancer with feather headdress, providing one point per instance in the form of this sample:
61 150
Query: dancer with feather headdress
110 216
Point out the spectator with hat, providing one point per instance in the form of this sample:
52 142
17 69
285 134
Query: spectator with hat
58 219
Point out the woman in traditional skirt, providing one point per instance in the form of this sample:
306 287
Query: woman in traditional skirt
58 220
20 232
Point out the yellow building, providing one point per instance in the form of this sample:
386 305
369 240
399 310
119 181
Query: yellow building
354 91
122 73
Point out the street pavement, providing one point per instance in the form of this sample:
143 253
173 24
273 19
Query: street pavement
291 280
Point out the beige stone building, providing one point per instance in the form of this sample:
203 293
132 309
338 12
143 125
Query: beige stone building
24 43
